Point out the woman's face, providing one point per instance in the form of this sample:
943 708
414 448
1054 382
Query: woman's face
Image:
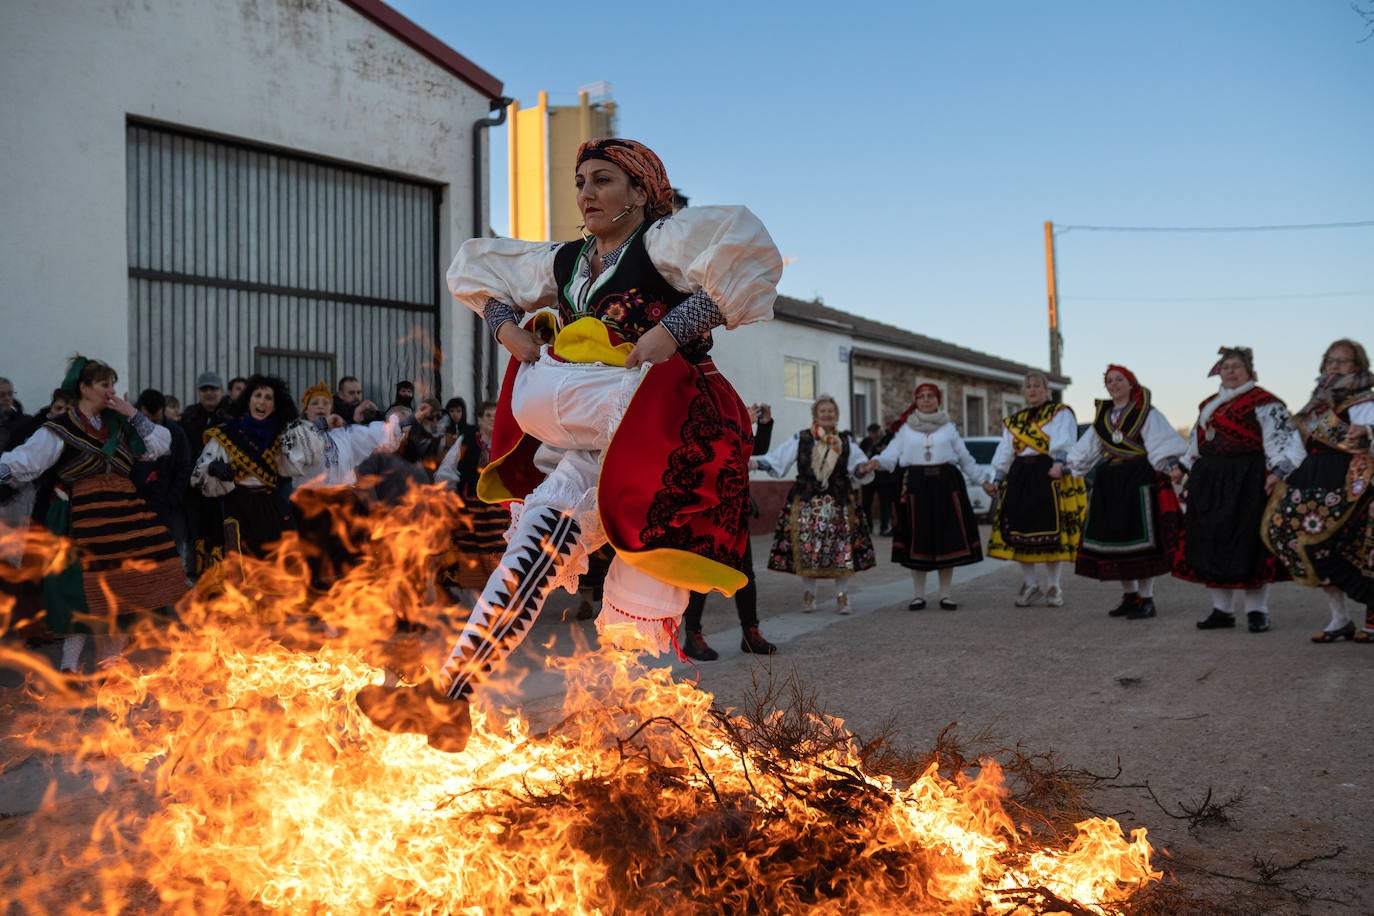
98 392
827 415
261 403
487 422
604 195
927 402
1339 360
1233 372
1118 387
455 414
1035 391
318 408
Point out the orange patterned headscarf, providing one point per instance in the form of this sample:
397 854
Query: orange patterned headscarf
640 163
317 390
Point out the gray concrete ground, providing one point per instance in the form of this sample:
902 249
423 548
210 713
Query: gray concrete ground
1271 717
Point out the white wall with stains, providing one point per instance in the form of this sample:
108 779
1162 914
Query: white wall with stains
308 76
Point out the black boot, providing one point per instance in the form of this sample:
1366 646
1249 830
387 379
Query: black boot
1146 608
695 647
423 710
754 642
1130 601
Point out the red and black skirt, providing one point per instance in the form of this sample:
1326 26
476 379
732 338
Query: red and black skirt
1131 529
1219 544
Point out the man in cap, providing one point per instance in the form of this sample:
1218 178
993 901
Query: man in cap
206 412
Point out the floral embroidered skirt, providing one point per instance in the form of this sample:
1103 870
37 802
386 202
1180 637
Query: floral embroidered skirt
823 537
1319 524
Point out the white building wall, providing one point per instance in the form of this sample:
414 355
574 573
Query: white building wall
311 76
752 359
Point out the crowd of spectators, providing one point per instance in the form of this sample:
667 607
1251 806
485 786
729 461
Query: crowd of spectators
199 483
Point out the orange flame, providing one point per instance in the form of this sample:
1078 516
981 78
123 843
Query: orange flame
238 775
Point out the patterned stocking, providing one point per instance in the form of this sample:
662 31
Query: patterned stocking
512 599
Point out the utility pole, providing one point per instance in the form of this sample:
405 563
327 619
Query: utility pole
1056 342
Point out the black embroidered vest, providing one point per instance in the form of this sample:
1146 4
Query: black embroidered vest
85 455
629 302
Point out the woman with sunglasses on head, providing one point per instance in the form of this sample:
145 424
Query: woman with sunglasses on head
1318 523
1241 447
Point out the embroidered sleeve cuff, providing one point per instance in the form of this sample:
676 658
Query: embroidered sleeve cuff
1061 456
1282 469
693 317
497 313
142 425
6 475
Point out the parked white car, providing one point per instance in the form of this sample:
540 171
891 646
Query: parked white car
982 448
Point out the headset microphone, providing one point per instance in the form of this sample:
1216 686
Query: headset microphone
624 213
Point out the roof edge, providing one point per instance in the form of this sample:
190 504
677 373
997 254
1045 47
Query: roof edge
859 328
431 47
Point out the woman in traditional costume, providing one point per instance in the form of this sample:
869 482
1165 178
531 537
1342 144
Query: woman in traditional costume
1039 518
321 454
614 424
1131 527
125 563
1241 447
238 470
935 527
479 542
821 533
1319 523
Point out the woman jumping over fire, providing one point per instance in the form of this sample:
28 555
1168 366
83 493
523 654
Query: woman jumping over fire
644 289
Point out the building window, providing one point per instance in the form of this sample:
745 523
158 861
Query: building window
1012 406
799 378
865 406
975 415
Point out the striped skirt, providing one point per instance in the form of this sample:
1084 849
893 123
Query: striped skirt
126 560
475 546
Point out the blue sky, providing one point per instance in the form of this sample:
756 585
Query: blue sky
905 157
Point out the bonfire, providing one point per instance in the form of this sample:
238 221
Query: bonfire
237 776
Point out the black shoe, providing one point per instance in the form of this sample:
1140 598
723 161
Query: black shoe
1130 601
754 642
949 604
1258 620
696 648
1146 608
917 604
1217 620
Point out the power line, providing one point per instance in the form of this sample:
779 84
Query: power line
1285 297
1290 227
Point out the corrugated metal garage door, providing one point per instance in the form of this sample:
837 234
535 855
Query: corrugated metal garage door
243 259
